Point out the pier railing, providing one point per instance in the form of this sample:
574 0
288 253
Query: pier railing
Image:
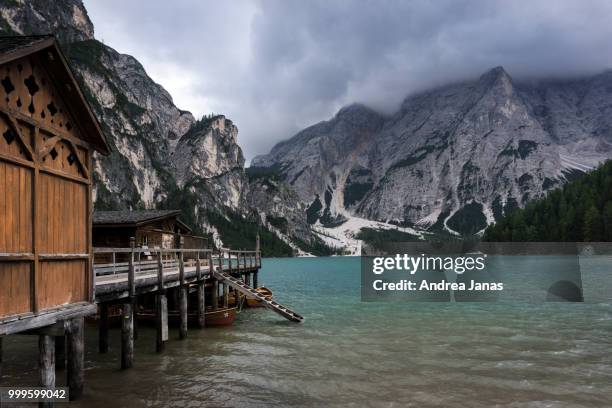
117 260
130 267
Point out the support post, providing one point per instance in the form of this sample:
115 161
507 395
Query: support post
201 294
131 277
201 304
181 261
76 358
225 295
60 352
255 279
127 335
257 251
229 262
221 260
183 293
135 312
183 312
161 322
161 303
215 294
211 267
127 315
46 364
103 329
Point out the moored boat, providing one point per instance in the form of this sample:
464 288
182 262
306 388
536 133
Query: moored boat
263 291
213 318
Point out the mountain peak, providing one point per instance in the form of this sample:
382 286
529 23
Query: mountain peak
353 108
494 75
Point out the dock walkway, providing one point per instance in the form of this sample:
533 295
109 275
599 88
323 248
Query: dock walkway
121 275
145 272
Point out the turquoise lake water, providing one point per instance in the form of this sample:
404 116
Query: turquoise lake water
356 354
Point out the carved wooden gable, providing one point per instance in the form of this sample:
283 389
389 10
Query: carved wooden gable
26 88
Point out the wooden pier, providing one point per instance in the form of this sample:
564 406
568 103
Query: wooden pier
157 271
51 276
135 272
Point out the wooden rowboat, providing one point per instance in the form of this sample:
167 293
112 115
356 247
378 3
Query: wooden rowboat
263 291
213 318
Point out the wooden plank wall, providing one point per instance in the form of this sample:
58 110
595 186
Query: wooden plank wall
15 283
60 282
61 206
16 207
45 195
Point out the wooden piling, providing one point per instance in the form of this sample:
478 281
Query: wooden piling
131 277
183 311
183 293
103 329
135 311
60 352
210 263
161 322
76 358
201 294
201 304
127 335
255 279
225 295
127 315
215 294
161 303
221 260
46 364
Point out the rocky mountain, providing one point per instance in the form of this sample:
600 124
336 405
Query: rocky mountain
162 157
453 158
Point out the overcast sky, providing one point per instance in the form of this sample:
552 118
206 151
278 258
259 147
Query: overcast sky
275 67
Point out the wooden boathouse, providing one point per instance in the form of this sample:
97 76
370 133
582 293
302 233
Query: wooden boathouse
51 276
150 228
48 134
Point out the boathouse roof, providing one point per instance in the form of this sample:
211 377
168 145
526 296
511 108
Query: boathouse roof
15 47
134 218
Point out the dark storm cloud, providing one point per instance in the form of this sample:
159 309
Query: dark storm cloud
275 67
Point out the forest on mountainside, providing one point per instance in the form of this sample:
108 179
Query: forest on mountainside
580 211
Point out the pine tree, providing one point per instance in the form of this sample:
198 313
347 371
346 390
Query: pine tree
607 221
580 211
592 225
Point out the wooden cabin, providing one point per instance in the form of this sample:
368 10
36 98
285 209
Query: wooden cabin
150 228
48 134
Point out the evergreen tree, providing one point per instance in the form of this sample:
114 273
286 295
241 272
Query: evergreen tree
592 225
607 221
580 211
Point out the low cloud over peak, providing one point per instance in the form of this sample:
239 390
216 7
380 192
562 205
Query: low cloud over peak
276 66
